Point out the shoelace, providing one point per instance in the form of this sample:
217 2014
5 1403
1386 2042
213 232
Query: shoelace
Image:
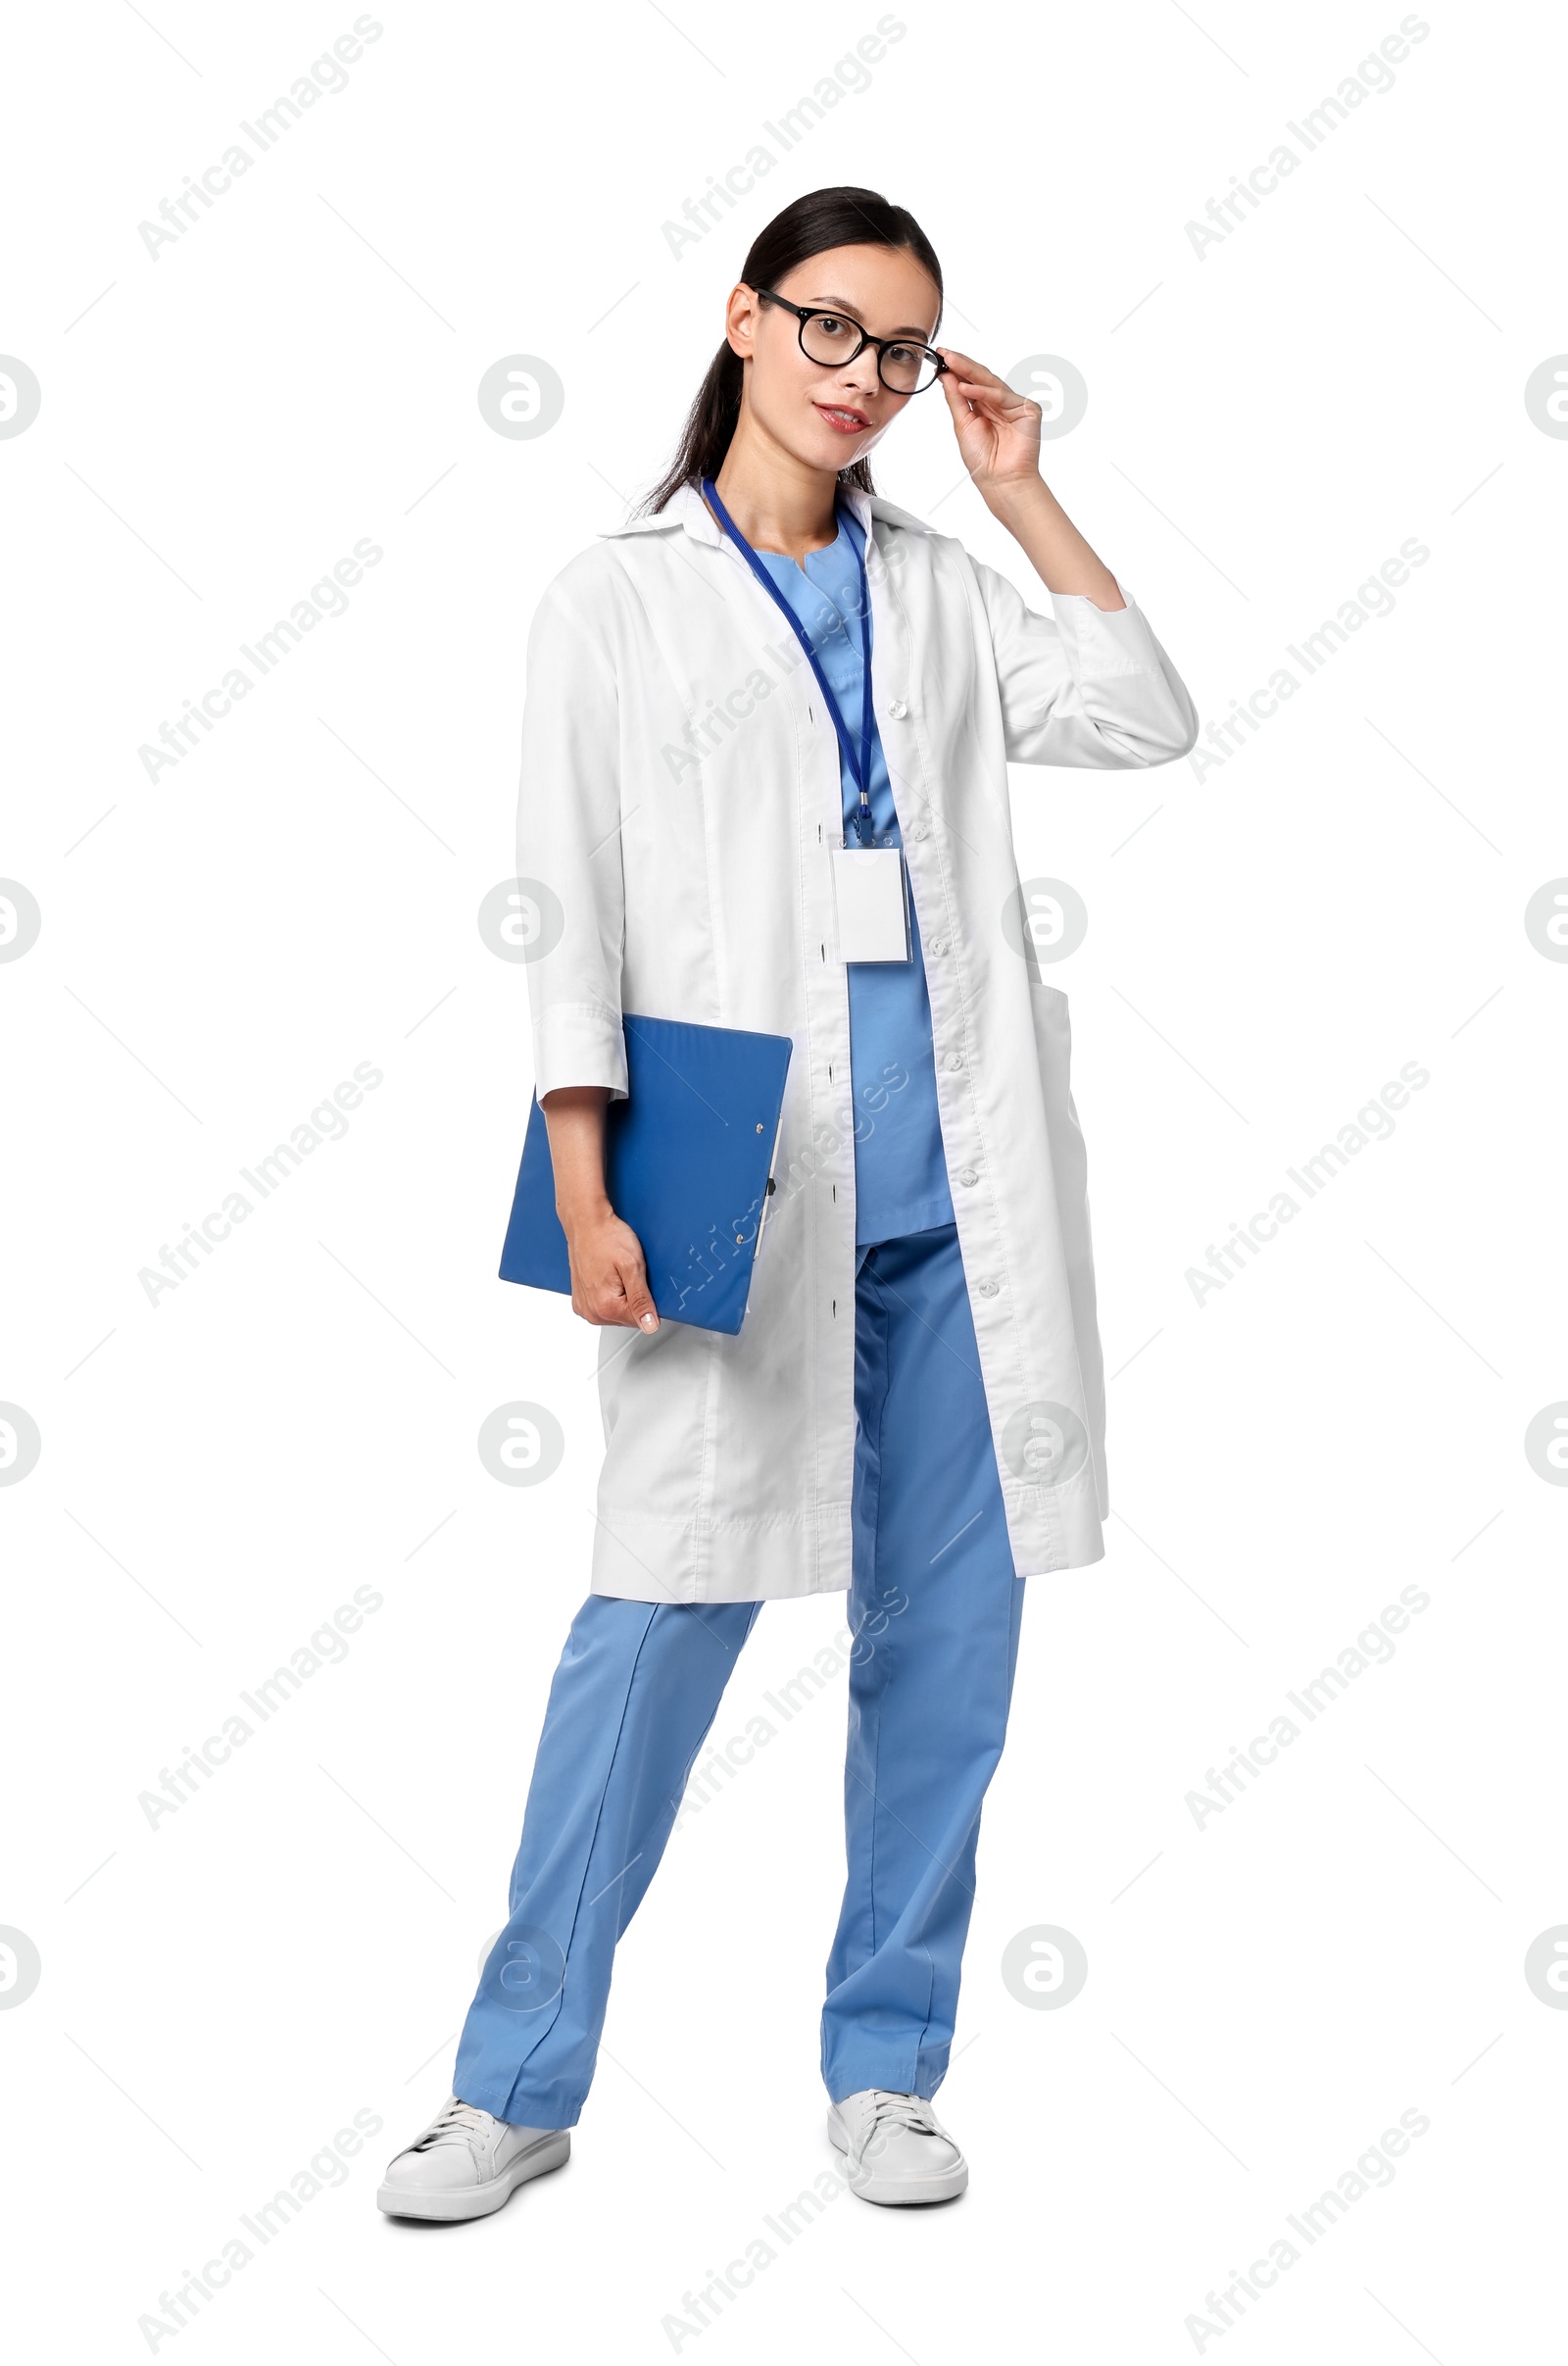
457 2124
889 2110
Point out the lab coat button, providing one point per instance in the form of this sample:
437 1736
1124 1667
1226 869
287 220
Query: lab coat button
918 830
966 1174
955 1059
988 1289
897 709
937 944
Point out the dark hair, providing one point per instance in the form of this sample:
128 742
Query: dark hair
822 219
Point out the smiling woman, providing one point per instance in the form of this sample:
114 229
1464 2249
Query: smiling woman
803 242
913 1405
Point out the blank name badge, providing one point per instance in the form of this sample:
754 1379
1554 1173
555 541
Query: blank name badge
873 908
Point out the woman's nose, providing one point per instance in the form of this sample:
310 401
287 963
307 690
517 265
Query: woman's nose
859 376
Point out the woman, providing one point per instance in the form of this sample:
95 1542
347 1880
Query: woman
913 1407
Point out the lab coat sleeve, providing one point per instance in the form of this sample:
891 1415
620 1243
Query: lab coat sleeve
569 843
1084 685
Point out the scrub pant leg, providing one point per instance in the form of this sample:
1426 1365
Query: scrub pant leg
935 1608
935 1611
630 1705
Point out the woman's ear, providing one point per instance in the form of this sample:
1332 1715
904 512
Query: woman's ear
740 320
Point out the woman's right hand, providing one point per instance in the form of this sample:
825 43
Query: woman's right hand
609 1277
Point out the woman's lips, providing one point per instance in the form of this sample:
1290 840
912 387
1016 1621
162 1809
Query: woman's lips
847 421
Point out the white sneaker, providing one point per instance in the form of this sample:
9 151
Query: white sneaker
466 2164
897 2149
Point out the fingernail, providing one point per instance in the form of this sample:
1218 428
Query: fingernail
650 1322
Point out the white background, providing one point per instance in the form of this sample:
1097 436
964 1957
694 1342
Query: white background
222 945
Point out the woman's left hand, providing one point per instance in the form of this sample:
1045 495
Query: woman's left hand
999 435
998 430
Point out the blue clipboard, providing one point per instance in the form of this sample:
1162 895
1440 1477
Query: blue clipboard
688 1166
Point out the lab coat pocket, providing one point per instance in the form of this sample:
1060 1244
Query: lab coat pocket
1069 1163
1053 1028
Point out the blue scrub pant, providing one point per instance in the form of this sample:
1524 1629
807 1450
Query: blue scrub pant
934 1607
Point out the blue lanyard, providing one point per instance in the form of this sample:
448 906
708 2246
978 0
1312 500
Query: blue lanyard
857 758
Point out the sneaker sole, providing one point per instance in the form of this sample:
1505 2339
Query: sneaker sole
477 2201
899 2192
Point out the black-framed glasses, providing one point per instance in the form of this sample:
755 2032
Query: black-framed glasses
831 339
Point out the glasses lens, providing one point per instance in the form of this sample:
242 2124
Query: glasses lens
907 368
829 337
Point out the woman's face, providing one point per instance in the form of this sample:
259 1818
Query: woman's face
827 417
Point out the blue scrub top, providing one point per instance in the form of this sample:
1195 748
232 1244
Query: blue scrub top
900 1175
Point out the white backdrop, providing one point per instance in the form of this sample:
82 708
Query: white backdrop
206 1991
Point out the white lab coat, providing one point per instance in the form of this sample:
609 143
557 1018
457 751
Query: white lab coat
680 792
